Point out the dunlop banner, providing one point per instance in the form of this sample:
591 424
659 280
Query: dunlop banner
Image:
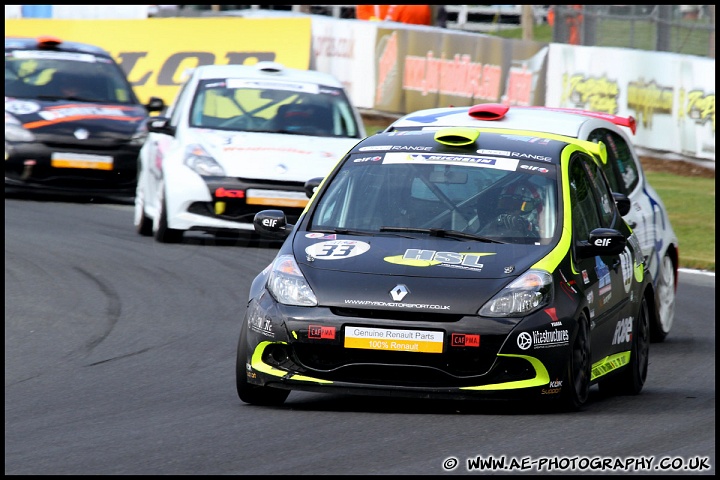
421 68
155 52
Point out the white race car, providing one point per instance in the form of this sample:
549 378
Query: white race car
647 217
236 140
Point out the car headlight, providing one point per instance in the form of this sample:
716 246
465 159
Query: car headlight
15 132
138 138
201 162
287 283
527 293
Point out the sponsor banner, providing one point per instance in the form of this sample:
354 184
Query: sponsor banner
420 67
156 52
346 49
409 67
671 96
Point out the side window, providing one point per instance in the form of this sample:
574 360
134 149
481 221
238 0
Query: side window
345 121
602 193
174 109
591 200
621 169
585 216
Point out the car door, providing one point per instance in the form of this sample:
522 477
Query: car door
160 145
603 277
624 174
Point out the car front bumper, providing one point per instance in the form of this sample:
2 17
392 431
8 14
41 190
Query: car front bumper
71 170
308 349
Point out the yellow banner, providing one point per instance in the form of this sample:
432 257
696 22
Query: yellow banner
155 52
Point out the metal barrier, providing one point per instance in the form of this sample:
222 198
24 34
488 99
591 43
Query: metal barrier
683 29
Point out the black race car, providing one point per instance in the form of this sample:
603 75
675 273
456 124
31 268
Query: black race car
458 263
73 124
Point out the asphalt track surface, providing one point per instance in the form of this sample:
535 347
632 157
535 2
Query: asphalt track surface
120 359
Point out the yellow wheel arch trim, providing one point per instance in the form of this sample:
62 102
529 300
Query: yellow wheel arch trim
257 364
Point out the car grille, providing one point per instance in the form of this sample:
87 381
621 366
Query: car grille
238 211
235 209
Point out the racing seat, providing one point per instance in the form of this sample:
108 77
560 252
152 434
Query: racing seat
517 212
85 86
304 119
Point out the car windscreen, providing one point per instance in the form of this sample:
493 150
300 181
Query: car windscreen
52 75
275 107
395 191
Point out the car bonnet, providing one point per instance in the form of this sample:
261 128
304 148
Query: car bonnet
434 269
95 121
271 156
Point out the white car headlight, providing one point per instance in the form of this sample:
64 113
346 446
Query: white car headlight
527 293
287 284
201 162
15 132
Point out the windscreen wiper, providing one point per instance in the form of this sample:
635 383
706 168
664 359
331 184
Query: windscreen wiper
440 232
342 231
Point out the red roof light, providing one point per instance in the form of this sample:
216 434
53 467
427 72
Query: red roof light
47 41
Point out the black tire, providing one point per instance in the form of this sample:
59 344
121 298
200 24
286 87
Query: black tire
631 379
143 224
248 393
665 295
163 234
576 383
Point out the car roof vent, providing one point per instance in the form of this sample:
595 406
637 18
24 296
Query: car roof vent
457 136
48 41
488 111
270 67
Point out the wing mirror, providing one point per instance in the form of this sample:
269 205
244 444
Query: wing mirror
623 203
155 104
272 223
602 241
160 125
312 185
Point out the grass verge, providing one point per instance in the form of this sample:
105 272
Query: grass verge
690 202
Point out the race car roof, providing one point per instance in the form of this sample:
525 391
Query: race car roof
53 43
511 143
266 71
539 119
